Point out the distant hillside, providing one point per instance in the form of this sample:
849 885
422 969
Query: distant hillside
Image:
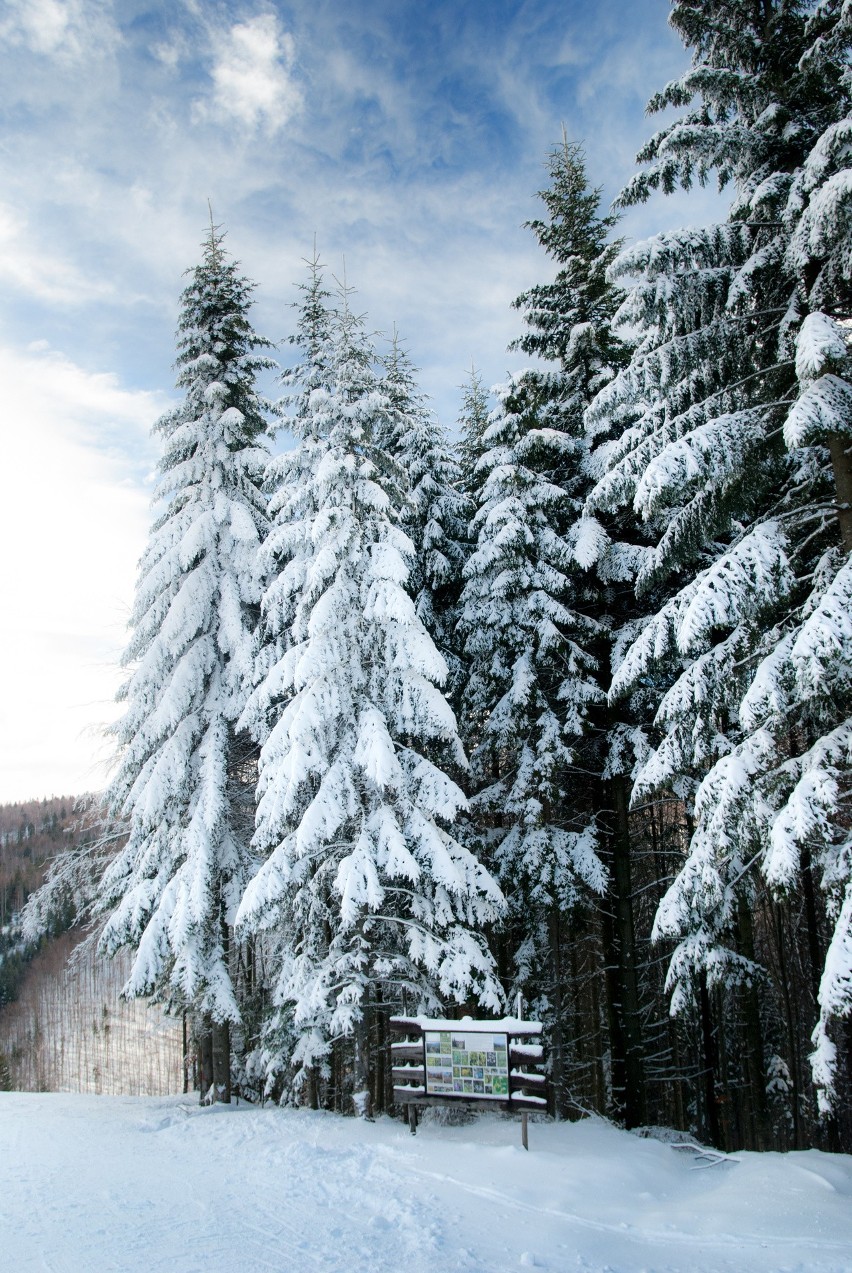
31 835
69 1030
63 1026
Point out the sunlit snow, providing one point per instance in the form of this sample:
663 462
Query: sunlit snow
95 1183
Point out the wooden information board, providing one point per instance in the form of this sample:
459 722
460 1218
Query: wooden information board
478 1064
467 1063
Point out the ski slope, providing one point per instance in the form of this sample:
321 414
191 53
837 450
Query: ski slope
135 1183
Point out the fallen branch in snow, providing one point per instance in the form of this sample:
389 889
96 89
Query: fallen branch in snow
713 1156
675 1140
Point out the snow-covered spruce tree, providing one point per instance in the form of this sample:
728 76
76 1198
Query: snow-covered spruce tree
543 602
365 896
742 521
183 781
569 323
691 466
807 676
471 425
287 482
569 320
531 664
436 514
529 684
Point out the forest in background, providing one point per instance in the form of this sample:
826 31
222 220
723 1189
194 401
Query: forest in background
32 834
63 1024
624 598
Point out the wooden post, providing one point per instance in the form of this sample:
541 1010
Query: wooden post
412 1119
524 1130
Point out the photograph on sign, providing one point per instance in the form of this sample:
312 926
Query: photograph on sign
462 1064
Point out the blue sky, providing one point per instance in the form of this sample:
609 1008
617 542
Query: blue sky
409 137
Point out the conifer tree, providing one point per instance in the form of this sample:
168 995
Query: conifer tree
735 499
569 320
534 614
472 423
365 895
172 892
524 665
436 514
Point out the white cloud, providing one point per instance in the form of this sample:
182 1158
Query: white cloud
73 521
67 30
169 53
252 76
31 268
45 26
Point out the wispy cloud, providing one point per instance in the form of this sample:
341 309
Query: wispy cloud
64 30
33 269
252 76
44 26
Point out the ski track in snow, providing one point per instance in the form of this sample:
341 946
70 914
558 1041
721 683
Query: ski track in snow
125 1184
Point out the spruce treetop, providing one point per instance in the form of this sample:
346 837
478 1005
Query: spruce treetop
580 241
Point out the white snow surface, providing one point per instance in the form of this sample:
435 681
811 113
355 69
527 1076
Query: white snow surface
136 1183
507 1025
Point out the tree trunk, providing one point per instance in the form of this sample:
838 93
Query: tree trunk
758 1109
625 1016
221 1048
204 1040
790 1022
829 1128
711 1130
840 451
361 1096
382 1084
816 955
557 1037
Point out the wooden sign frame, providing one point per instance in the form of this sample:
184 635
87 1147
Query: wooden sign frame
527 1082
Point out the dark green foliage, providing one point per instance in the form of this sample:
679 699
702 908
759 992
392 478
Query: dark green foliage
735 499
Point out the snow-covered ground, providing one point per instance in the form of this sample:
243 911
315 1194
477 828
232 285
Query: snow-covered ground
131 1183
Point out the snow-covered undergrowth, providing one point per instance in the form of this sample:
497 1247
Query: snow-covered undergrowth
121 1183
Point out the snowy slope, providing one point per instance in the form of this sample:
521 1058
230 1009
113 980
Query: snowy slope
122 1183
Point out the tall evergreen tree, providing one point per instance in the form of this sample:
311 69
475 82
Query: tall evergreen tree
172 892
570 323
524 667
535 617
471 424
365 894
436 514
741 540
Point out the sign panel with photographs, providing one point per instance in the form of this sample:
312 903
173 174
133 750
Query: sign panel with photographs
459 1063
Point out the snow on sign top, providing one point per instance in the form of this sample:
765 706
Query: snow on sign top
503 1025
